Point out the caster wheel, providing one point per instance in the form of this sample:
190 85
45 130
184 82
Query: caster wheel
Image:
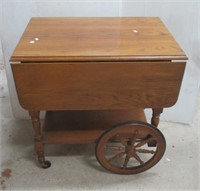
46 164
124 149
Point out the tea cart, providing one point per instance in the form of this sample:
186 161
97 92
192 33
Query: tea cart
94 77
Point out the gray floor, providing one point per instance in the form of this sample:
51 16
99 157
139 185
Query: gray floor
74 167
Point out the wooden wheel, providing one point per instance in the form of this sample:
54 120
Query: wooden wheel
124 149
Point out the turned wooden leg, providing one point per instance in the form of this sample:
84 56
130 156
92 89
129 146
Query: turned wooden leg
39 145
156 116
155 121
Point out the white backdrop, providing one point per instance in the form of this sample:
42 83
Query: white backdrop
181 17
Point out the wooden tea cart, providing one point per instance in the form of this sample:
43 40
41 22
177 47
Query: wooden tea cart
94 77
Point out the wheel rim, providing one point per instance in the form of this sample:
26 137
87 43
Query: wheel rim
124 149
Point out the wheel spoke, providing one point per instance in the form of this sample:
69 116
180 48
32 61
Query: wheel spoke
115 148
145 151
137 158
126 160
133 139
122 140
117 156
143 142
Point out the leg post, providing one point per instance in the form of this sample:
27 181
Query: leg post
39 145
155 121
156 116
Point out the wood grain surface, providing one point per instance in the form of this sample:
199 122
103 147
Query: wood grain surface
72 127
78 86
96 39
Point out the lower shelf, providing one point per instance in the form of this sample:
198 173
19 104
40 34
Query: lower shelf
77 127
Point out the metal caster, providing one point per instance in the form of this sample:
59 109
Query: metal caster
46 164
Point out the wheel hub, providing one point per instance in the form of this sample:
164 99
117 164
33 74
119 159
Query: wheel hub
130 150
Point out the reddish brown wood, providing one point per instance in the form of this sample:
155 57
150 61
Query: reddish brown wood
98 85
39 146
38 141
66 66
156 116
129 154
97 39
75 127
